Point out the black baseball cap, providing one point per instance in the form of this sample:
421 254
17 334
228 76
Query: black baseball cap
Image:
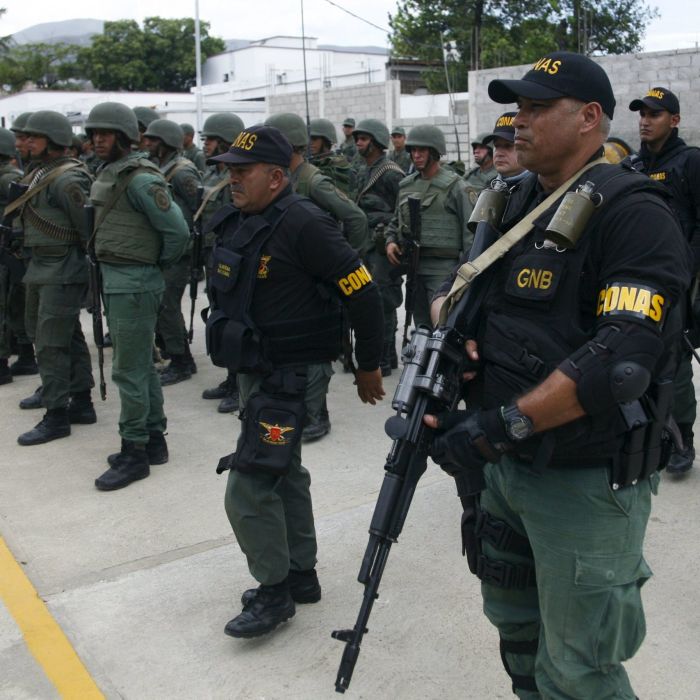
258 144
657 98
559 74
504 128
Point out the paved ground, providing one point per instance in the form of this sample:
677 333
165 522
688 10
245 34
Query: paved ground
143 580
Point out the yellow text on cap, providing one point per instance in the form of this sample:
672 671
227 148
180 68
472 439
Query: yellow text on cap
547 65
504 121
658 94
245 140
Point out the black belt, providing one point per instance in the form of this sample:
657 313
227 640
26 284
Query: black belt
447 253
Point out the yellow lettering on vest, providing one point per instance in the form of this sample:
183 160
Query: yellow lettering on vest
601 302
643 302
628 296
523 277
223 270
345 287
658 176
354 281
363 275
535 278
657 307
611 297
539 279
546 281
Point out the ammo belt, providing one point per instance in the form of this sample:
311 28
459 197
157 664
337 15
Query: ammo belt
448 253
48 228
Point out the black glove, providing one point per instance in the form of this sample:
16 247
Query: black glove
469 440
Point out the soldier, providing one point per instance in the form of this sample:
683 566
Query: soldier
480 177
336 167
348 148
445 211
668 160
163 140
8 254
505 158
289 247
54 232
87 155
144 116
398 153
377 193
219 132
138 232
308 181
21 139
190 149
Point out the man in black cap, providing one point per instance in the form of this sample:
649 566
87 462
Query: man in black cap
668 160
505 159
557 465
280 270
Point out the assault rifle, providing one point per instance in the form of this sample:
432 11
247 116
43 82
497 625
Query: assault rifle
196 264
95 298
410 252
430 383
16 190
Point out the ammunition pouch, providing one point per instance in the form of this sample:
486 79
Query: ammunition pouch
272 423
234 344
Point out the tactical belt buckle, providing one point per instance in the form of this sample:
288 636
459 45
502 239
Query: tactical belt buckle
503 574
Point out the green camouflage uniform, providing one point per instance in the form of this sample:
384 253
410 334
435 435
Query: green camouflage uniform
143 233
402 158
337 168
195 154
348 148
476 180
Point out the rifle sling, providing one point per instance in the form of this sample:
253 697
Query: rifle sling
211 193
389 165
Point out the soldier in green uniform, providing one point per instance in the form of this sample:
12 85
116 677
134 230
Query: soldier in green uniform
21 145
9 173
190 149
480 177
219 132
377 193
144 116
399 154
87 155
307 180
54 232
348 148
336 167
445 211
138 232
164 139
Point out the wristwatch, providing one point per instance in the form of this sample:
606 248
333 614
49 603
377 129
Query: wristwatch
517 425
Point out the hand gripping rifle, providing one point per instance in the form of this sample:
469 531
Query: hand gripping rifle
410 250
95 298
195 265
434 362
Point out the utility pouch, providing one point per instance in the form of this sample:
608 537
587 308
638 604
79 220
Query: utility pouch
234 345
470 542
226 266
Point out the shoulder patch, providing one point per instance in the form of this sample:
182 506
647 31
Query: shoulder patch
632 300
160 196
75 193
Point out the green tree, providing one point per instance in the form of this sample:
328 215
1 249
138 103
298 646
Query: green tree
489 33
46 65
158 57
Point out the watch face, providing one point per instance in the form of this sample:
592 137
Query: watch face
520 428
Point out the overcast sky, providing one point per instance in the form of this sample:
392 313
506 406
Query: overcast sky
255 19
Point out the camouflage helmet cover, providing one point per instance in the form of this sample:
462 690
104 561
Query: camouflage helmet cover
19 123
222 125
427 136
376 129
323 128
167 131
292 126
113 116
7 143
53 125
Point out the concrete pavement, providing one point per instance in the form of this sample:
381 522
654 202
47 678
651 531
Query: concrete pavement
143 580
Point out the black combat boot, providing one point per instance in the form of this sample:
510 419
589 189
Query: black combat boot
156 450
230 402
303 587
130 465
315 427
177 371
269 607
55 424
681 461
218 392
5 374
33 401
81 410
25 362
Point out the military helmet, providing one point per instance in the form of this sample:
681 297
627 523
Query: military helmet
222 125
187 128
113 116
292 126
480 138
427 136
167 131
7 143
324 129
53 125
376 129
19 123
77 143
616 150
145 115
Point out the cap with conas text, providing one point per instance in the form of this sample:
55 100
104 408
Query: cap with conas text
504 128
258 144
658 98
349 121
559 74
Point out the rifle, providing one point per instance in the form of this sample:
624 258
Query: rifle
434 362
13 263
195 265
96 301
410 251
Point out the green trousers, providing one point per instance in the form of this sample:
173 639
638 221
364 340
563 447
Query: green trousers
171 322
132 321
585 615
11 313
61 351
389 282
432 273
272 517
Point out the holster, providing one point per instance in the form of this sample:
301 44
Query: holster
272 423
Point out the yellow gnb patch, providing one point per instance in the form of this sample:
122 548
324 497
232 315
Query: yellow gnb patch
658 94
275 434
548 66
245 140
504 121
537 279
223 270
635 300
355 281
660 177
263 269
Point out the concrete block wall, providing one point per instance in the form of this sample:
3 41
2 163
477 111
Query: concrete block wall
631 76
448 127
